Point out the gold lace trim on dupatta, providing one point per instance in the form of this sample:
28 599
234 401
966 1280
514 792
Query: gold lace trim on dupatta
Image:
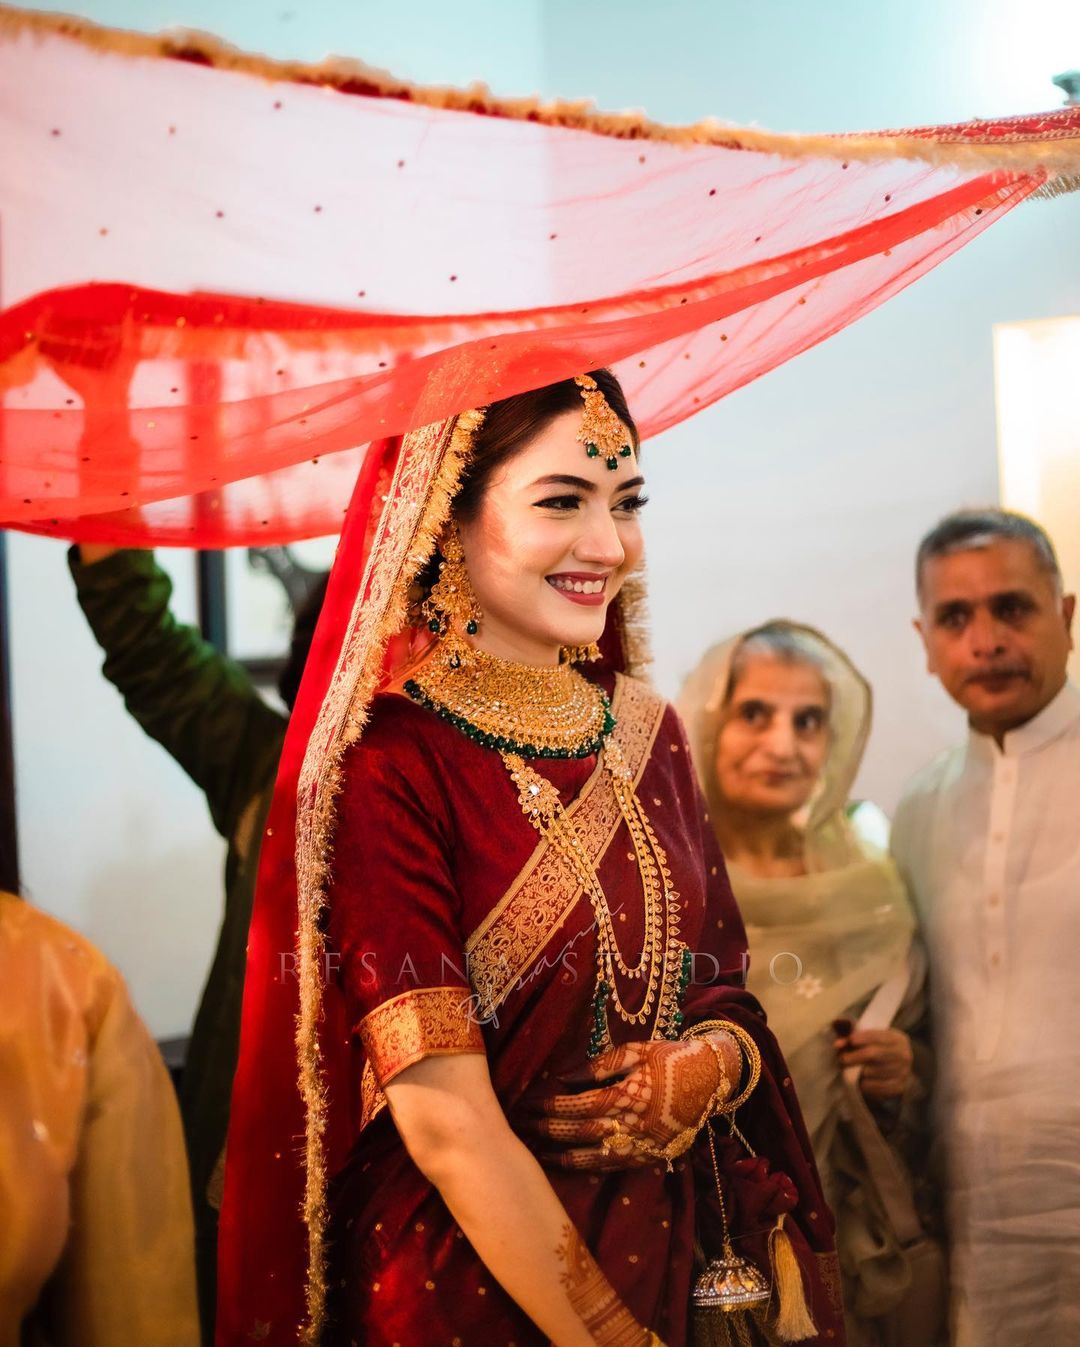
422 1022
417 507
519 926
1010 144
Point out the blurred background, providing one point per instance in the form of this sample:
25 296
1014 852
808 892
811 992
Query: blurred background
803 495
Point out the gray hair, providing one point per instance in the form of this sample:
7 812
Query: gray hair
776 640
968 530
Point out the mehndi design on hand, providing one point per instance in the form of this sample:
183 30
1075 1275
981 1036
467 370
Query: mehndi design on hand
595 1300
663 1094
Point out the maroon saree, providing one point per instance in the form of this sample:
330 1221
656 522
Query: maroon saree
454 931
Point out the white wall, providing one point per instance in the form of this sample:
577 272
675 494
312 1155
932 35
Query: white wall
802 495
805 494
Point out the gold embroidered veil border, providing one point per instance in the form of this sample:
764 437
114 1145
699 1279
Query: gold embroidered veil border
1020 144
416 509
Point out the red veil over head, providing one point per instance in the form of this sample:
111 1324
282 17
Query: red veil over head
225 277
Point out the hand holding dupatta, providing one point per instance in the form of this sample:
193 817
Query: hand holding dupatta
656 1097
885 1056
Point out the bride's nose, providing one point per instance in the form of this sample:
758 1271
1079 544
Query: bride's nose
599 542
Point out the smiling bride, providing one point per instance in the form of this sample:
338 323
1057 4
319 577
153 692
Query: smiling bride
537 1025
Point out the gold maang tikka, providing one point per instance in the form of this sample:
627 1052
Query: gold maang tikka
451 608
601 430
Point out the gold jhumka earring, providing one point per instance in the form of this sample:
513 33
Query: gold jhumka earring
451 609
579 654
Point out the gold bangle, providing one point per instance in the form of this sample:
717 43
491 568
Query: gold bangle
723 1085
748 1048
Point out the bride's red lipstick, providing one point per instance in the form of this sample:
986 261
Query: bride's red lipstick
563 580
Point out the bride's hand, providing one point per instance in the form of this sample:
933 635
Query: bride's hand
652 1100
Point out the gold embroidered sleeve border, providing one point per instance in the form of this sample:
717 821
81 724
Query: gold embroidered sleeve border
424 1022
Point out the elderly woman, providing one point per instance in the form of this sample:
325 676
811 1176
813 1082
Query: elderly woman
778 718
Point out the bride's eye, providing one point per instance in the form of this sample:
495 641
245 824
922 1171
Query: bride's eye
559 503
631 504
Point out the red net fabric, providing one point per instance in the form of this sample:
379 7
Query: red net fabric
221 284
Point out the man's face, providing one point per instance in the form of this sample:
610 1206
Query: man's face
996 632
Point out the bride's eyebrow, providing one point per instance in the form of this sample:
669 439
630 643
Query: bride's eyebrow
565 479
583 483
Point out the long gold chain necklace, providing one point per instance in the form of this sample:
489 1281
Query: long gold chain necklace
524 713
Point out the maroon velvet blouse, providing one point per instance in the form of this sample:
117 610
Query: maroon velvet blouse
457 930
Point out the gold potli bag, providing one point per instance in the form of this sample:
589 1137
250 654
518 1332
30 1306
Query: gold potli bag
731 1296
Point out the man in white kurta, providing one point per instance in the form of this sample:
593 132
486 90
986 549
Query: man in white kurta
988 838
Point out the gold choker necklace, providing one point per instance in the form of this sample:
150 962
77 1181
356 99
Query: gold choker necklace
532 711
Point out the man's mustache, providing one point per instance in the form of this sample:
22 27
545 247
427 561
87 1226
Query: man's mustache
998 671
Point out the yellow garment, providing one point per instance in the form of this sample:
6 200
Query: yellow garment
96 1240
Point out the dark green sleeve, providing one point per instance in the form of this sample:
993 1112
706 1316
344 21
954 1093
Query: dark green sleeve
199 705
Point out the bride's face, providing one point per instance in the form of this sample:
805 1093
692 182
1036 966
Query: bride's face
774 738
554 538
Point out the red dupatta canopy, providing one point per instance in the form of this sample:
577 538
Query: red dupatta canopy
224 277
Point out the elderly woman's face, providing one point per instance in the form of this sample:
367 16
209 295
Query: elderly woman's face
556 535
774 736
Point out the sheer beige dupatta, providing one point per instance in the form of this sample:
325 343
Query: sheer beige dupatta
821 944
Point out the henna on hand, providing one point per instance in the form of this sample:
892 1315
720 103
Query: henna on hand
659 1096
595 1300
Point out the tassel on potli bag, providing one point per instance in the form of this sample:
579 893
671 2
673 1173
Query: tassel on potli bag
793 1322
